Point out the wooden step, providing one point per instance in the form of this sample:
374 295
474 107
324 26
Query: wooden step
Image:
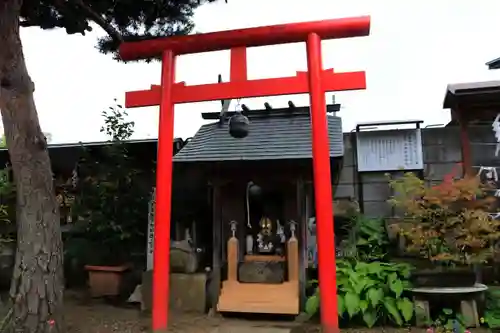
259 298
261 288
248 294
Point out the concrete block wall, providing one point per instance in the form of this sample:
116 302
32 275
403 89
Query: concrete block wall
483 147
441 151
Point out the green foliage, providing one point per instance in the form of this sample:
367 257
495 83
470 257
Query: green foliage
370 292
7 188
121 19
7 201
448 222
112 193
449 322
366 239
116 127
492 312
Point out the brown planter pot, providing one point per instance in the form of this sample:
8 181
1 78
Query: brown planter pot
105 280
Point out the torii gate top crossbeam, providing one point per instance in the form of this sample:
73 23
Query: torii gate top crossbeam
260 36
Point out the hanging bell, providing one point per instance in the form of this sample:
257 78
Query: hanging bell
238 126
254 190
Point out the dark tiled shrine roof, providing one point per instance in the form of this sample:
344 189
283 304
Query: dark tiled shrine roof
277 135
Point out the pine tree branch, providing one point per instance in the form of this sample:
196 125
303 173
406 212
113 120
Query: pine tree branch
27 24
112 32
43 24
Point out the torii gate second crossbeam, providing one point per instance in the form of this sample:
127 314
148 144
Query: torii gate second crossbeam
315 81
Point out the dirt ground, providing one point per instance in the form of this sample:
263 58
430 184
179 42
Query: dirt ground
102 318
91 316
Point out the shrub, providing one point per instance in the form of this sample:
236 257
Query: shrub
448 222
113 194
366 239
372 292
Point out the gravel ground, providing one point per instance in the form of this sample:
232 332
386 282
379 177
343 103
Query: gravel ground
90 316
103 318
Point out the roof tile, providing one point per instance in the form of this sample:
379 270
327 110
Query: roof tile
270 138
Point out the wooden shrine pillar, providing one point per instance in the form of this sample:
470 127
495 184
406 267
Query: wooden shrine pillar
302 232
215 280
232 255
293 254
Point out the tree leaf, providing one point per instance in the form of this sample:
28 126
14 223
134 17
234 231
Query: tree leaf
406 308
397 287
390 306
359 285
351 303
361 267
362 241
375 296
374 268
340 305
363 305
393 276
312 305
370 317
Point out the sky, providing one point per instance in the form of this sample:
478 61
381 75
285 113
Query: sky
415 48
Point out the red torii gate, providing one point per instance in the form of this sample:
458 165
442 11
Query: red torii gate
315 81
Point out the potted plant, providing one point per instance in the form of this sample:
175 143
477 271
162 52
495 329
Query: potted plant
448 224
112 197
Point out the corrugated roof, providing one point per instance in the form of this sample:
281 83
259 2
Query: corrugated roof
270 138
178 142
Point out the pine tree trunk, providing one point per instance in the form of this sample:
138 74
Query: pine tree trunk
37 283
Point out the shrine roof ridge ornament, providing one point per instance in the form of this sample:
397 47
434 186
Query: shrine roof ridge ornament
250 37
268 111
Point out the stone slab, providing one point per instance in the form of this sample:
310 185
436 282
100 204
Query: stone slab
478 287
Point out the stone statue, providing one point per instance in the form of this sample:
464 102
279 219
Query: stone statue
183 256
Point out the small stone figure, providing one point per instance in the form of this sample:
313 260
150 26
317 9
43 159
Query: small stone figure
293 227
249 244
281 232
265 242
280 235
233 228
264 245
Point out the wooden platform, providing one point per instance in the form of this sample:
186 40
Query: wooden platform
259 298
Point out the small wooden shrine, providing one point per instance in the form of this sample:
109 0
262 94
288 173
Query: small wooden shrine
474 110
261 198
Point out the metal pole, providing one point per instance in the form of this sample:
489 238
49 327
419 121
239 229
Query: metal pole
322 188
161 257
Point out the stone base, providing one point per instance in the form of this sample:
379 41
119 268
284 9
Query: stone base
187 292
468 310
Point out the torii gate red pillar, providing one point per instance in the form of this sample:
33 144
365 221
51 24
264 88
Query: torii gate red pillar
315 81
